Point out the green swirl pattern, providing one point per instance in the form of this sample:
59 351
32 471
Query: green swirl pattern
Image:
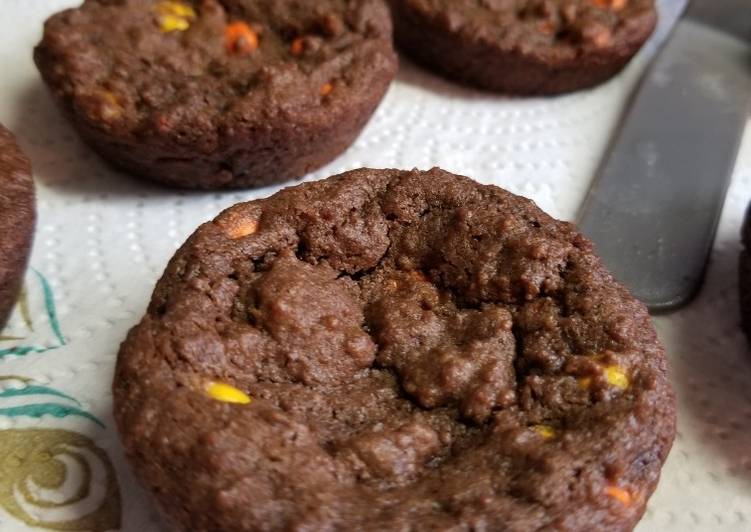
25 315
44 408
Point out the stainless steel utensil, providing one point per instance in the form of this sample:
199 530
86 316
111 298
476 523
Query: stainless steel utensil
654 208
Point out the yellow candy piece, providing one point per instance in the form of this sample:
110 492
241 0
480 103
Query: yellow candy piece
616 377
110 108
169 23
227 394
109 97
177 9
546 431
174 16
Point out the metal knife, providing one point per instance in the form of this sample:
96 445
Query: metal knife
653 210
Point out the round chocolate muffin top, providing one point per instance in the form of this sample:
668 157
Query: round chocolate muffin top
17 217
548 29
525 46
391 350
218 84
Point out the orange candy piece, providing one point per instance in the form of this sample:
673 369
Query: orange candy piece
616 5
621 495
327 89
240 230
297 47
546 27
239 38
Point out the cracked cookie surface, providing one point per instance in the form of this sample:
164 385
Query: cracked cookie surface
419 352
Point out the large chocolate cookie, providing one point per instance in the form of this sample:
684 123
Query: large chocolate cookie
524 46
390 350
219 93
17 217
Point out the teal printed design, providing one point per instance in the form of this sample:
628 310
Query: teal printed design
44 406
23 308
32 389
25 350
47 409
49 305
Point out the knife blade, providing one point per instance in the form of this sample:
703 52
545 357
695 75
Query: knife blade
654 207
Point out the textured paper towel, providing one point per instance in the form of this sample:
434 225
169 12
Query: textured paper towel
103 239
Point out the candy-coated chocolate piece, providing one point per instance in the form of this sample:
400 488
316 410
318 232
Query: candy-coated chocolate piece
546 431
227 393
619 494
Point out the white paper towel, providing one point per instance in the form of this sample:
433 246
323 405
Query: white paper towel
104 238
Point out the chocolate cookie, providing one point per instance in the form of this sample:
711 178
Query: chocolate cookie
390 350
219 93
744 270
17 218
524 46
